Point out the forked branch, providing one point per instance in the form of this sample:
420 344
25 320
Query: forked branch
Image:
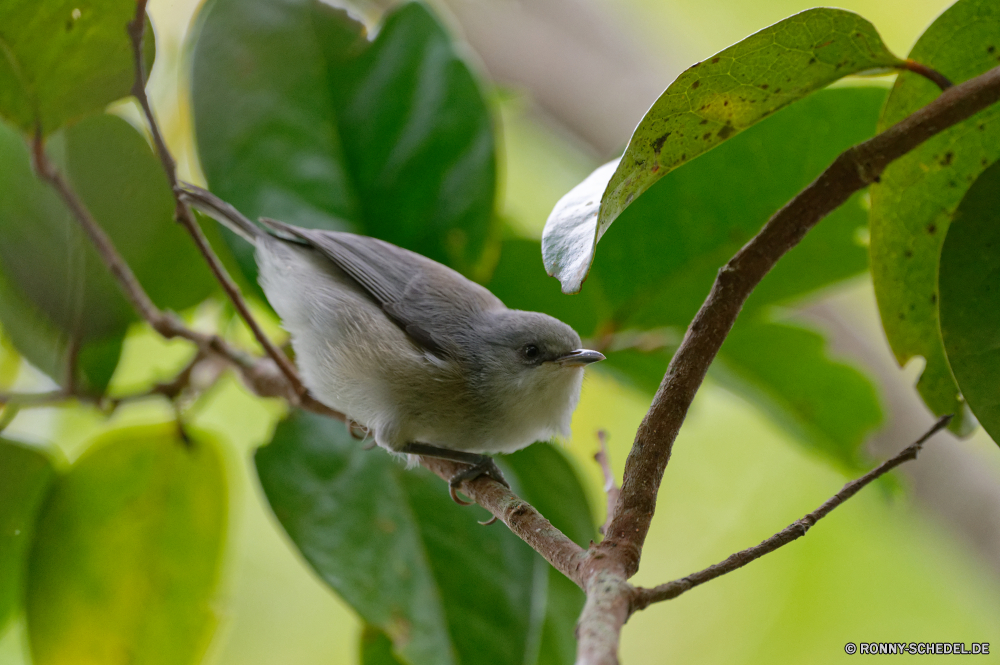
853 170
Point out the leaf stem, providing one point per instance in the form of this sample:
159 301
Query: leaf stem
936 77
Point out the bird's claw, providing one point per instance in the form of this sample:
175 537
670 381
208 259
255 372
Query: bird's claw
485 467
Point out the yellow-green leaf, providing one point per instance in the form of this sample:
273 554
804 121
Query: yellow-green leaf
25 475
127 553
63 59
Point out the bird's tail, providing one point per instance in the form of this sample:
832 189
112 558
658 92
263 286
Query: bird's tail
220 211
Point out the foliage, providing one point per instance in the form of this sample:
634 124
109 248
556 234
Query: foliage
394 136
913 205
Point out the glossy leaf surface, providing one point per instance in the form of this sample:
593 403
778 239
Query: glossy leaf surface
970 298
389 137
63 59
707 104
918 194
412 563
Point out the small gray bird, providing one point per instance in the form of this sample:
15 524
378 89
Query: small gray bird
428 362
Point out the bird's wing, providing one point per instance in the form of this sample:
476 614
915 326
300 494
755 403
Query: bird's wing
429 301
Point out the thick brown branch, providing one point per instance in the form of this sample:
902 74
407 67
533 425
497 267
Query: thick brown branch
605 612
850 172
642 598
620 551
186 217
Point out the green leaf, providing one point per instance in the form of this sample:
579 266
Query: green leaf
706 105
785 371
63 59
412 563
51 350
391 138
128 551
656 269
57 292
25 476
970 298
376 647
918 194
281 155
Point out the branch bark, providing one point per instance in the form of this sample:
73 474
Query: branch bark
186 218
853 170
642 598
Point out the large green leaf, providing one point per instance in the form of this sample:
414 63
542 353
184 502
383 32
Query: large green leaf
970 298
412 563
56 289
281 155
63 59
128 551
657 267
918 194
785 371
706 105
25 476
391 138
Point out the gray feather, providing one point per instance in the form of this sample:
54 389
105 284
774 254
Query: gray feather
432 303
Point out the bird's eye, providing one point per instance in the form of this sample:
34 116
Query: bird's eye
530 352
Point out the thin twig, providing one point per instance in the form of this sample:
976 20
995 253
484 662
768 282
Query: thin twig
610 488
171 390
260 375
186 218
642 598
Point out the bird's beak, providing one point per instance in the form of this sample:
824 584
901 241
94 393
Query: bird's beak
579 358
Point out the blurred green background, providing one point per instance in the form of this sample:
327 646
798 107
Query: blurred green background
922 564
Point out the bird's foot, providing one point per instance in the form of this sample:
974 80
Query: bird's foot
479 465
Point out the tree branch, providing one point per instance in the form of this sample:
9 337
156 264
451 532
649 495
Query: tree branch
262 376
186 218
170 389
619 553
642 598
526 522
851 171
